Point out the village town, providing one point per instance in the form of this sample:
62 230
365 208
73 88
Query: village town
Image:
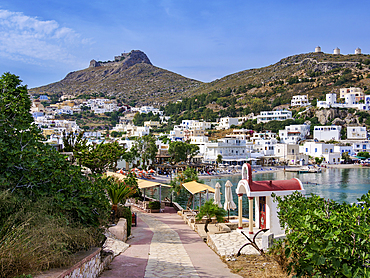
295 145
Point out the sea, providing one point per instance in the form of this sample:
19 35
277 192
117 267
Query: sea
338 184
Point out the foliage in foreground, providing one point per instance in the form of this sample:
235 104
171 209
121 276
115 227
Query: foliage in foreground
325 238
48 208
33 238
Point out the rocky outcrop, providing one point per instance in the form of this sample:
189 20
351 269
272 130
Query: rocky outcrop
335 116
125 60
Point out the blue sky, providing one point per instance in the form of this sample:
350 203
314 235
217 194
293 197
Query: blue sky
42 41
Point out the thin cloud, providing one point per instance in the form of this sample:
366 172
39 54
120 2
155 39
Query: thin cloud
29 39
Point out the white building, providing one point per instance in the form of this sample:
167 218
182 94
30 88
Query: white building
263 135
352 90
344 149
363 146
353 98
266 116
331 101
195 124
294 133
265 147
177 134
356 133
231 149
327 133
227 122
101 105
147 109
290 154
300 100
318 149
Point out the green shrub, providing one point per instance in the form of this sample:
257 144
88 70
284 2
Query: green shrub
154 205
325 238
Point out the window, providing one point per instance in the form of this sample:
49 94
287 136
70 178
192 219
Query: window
307 150
315 150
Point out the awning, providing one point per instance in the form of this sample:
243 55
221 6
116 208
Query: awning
195 187
146 184
142 184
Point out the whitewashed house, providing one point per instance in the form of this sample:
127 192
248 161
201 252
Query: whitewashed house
294 133
356 133
300 100
344 149
363 146
327 133
231 149
227 122
290 154
265 147
177 134
318 149
279 115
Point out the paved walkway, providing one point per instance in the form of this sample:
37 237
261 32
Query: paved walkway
164 246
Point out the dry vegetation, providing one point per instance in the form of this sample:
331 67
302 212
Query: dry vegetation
256 266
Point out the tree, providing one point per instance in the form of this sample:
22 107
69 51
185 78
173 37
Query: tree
209 210
346 157
182 151
363 154
32 170
219 159
118 191
98 158
147 149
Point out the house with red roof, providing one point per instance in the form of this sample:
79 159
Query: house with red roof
260 200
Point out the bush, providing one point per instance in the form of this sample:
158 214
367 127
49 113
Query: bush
33 238
154 205
325 238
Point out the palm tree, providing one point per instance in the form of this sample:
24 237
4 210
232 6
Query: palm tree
209 209
118 191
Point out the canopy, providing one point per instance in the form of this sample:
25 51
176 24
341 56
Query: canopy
146 184
195 187
142 184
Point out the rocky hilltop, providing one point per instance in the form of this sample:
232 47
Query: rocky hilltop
124 61
130 77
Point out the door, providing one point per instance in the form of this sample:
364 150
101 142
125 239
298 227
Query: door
262 212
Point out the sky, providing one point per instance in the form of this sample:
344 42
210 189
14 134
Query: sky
42 41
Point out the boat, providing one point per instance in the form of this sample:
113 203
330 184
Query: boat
309 169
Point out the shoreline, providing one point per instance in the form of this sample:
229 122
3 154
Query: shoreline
260 170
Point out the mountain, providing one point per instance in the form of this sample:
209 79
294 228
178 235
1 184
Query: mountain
130 77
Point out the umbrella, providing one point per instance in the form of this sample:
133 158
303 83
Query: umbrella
217 200
151 171
229 203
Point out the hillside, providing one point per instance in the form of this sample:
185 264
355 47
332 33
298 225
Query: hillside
130 77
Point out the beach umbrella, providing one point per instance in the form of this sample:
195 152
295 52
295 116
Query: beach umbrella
229 203
217 200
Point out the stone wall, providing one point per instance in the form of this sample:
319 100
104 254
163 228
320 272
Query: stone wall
90 264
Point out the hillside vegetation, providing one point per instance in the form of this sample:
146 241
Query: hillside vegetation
137 81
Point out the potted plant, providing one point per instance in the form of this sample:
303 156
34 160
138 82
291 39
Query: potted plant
154 206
